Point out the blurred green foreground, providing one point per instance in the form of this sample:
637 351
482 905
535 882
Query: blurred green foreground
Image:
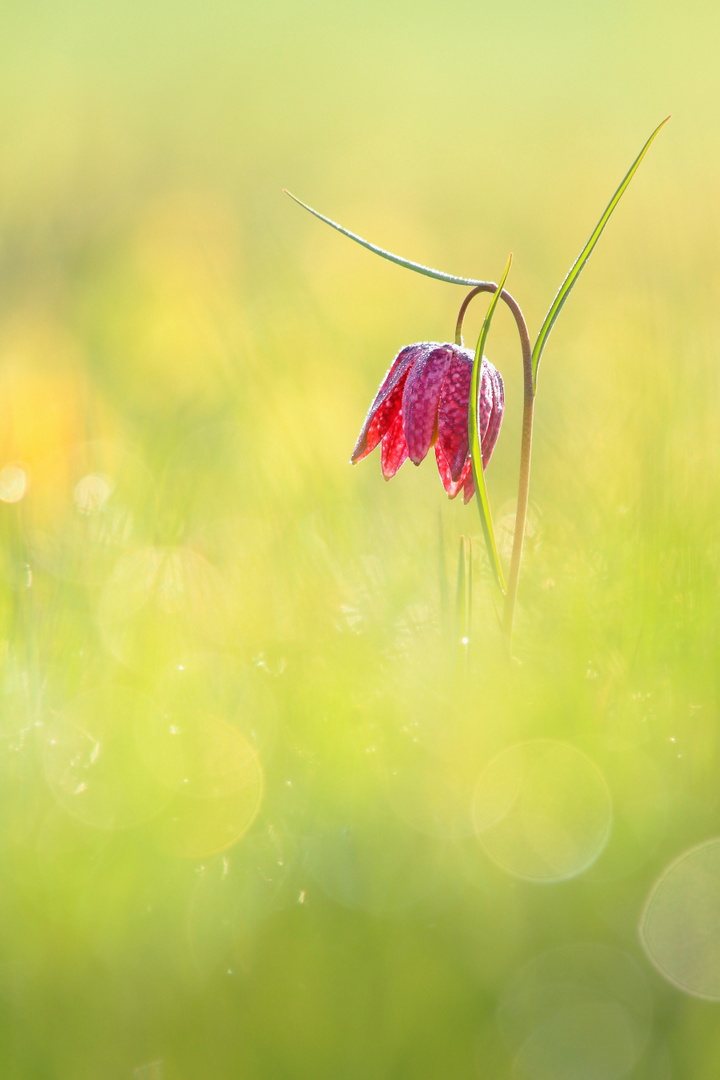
261 814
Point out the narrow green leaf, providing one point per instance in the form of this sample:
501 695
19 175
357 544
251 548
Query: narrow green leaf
577 266
476 441
428 271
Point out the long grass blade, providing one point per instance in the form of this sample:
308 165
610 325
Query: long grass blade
574 272
461 592
428 271
476 441
468 633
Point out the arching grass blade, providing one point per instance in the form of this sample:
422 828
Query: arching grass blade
428 271
577 266
475 439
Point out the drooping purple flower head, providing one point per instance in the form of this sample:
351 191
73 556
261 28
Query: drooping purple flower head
424 400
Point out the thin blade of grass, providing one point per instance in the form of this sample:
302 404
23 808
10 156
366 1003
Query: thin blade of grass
461 593
443 585
467 636
428 271
476 440
574 271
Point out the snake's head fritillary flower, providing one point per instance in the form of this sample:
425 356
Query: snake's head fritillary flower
424 400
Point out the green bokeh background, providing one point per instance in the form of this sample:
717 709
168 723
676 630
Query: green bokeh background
239 748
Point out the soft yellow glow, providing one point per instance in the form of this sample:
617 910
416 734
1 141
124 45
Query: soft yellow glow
13 482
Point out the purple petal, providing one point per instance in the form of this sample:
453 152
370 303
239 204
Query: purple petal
485 400
490 435
387 401
393 451
378 422
420 400
451 486
453 410
468 485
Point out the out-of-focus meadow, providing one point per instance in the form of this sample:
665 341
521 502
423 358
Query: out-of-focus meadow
259 818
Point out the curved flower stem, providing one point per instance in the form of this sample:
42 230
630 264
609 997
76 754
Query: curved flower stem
491 287
525 443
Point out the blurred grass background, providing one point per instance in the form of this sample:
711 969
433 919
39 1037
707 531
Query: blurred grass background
256 820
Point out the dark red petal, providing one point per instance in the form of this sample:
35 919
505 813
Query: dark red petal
469 489
378 422
420 400
451 486
466 482
444 470
387 400
393 451
490 435
453 410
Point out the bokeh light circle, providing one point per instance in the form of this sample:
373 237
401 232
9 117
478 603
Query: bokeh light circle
161 602
87 505
14 481
542 811
680 925
580 1012
93 763
217 781
221 684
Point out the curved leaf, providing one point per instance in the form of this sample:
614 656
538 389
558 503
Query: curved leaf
476 441
574 272
428 271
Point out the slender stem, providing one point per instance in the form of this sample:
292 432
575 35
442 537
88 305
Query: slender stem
460 593
467 636
481 286
491 287
522 501
463 622
525 443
